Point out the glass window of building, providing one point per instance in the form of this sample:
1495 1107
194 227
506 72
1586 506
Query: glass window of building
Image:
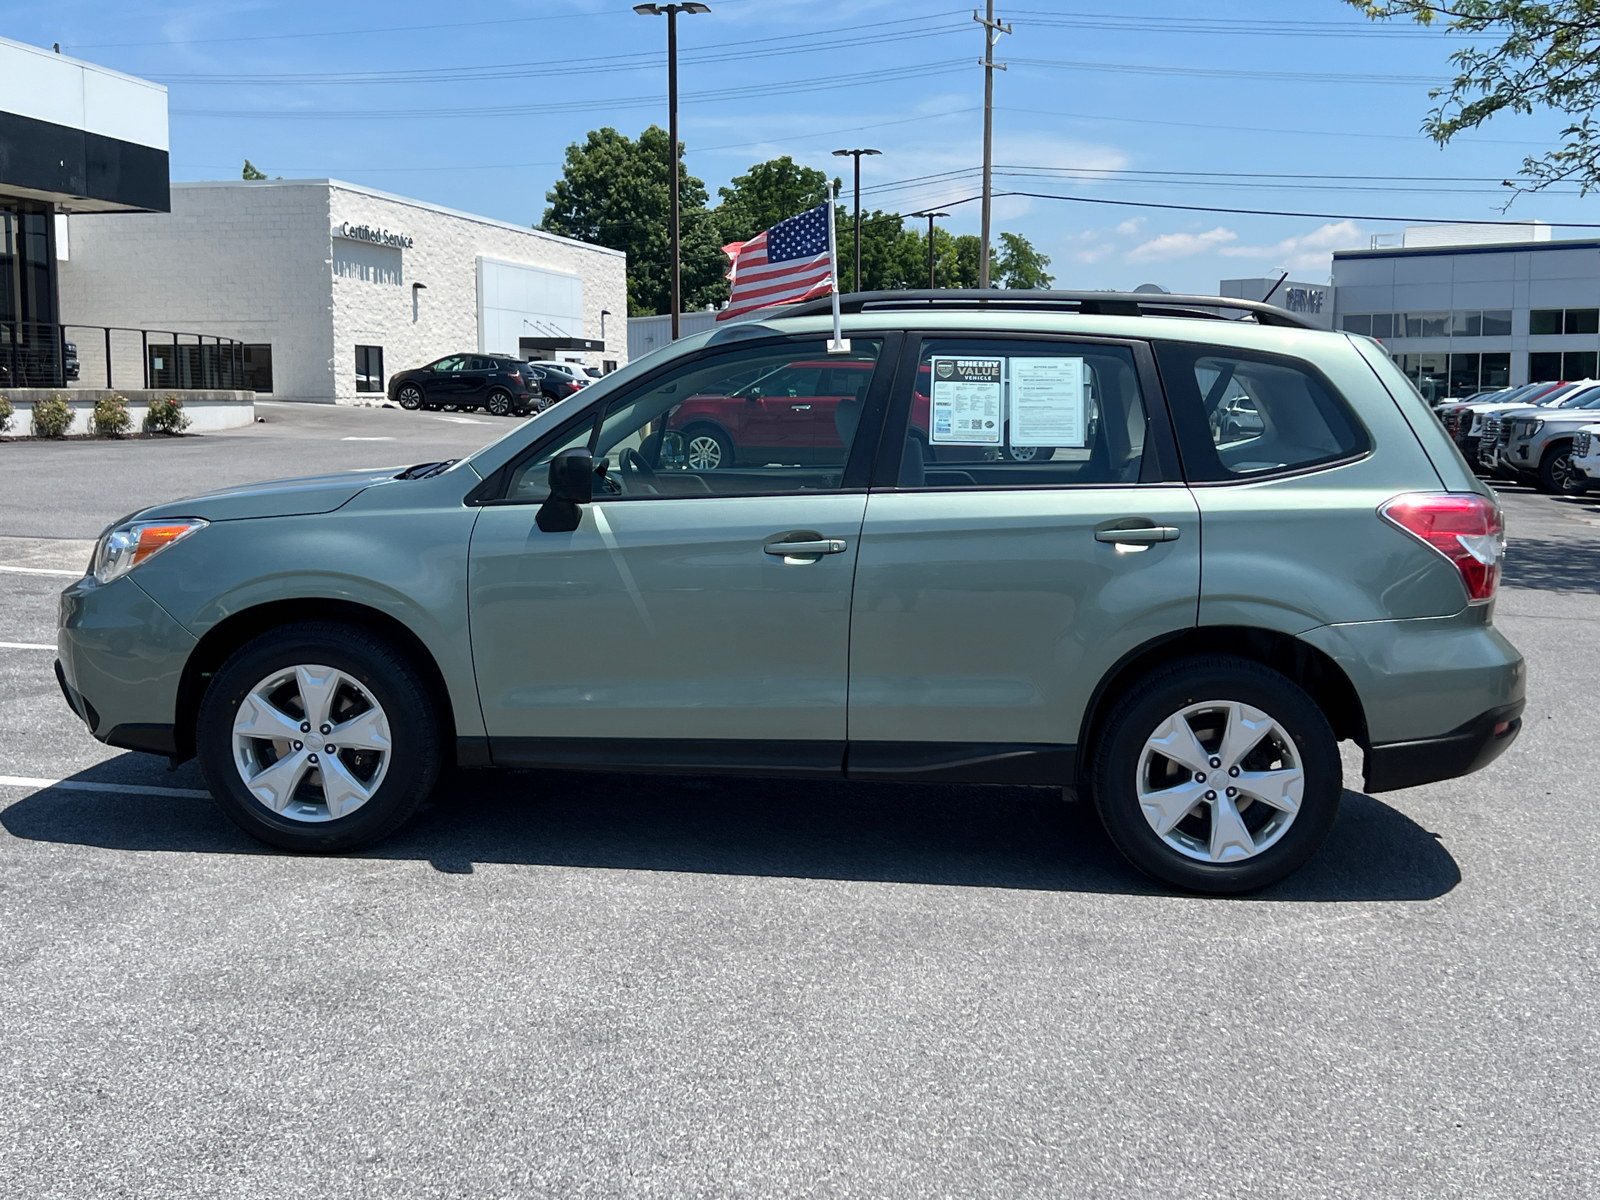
1544 366
1544 321
1358 323
1383 325
1497 322
1495 371
1583 320
1427 324
1463 375
257 369
369 368
1578 364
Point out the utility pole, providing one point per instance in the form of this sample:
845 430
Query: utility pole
930 216
856 154
671 11
992 30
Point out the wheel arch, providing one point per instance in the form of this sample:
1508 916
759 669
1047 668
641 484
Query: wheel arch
1321 677
228 635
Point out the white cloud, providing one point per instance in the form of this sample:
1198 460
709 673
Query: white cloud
1306 252
1131 226
1180 245
1093 254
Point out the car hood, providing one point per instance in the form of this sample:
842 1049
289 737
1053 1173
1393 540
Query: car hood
275 498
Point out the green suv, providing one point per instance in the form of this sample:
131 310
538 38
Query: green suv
1249 541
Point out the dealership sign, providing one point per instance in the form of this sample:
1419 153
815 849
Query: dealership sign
366 233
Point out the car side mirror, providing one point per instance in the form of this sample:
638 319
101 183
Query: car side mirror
571 484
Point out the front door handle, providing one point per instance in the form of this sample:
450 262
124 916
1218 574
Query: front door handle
1139 535
820 546
801 407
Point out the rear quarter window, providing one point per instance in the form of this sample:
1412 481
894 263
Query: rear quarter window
1244 415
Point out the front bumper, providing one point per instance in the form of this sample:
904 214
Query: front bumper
1465 749
120 663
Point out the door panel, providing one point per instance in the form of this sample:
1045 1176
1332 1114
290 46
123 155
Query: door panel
988 617
666 618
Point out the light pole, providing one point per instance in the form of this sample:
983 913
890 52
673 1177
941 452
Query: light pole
672 11
930 216
856 154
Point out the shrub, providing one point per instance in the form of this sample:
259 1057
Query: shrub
166 415
5 414
111 417
52 416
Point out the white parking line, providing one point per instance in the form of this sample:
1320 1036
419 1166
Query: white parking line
463 421
25 646
41 571
127 789
367 439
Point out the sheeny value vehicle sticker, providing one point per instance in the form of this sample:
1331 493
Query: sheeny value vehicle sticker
1047 402
966 400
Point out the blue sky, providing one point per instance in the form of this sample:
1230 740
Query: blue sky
1218 104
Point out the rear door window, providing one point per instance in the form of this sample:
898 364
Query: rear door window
1242 415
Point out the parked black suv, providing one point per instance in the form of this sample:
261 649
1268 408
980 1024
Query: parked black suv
496 383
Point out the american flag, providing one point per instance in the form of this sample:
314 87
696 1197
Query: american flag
786 263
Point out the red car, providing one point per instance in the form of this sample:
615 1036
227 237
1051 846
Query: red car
788 416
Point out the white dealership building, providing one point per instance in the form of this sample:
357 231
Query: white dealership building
333 287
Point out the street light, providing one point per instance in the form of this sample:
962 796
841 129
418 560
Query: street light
856 154
930 216
671 11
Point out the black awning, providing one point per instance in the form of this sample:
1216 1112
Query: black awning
560 343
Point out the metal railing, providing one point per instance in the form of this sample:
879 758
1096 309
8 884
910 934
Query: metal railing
36 354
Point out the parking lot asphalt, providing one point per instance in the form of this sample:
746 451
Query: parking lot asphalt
558 984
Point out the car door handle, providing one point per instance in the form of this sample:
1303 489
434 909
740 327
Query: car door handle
1139 535
820 546
801 407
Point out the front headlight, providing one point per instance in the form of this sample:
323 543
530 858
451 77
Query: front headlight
125 547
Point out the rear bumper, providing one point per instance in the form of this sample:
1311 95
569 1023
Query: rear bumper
1467 748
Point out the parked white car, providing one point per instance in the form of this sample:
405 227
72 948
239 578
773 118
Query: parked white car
1586 452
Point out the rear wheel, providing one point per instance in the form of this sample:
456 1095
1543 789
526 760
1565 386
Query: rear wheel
707 449
1217 775
318 737
1557 475
498 403
410 397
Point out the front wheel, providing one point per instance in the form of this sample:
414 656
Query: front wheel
318 737
1557 475
410 397
1217 775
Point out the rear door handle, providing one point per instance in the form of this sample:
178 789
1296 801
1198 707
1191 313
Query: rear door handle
820 546
1140 535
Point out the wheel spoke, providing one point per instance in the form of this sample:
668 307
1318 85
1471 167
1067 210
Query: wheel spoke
1229 837
1165 808
339 787
1175 740
1282 789
1246 727
275 786
368 731
317 687
258 718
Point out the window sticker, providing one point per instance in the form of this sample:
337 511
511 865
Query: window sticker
1047 402
966 400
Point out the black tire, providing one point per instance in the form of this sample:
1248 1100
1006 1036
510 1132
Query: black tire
1141 711
381 669
1557 475
498 403
724 448
1034 454
409 397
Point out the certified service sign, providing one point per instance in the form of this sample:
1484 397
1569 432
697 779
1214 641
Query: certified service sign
366 233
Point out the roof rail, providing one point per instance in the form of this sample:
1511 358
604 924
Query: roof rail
1119 304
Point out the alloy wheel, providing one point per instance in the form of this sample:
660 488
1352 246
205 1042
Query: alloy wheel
410 397
704 452
498 404
1220 781
311 743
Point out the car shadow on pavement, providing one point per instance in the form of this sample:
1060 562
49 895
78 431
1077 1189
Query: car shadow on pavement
1553 566
997 837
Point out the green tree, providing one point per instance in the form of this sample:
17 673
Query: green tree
1536 55
766 194
614 192
1019 265
251 171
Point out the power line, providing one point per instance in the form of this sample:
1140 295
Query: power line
1231 27
1228 72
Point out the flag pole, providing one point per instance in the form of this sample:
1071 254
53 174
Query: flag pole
839 345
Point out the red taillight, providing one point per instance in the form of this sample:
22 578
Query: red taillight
1463 526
